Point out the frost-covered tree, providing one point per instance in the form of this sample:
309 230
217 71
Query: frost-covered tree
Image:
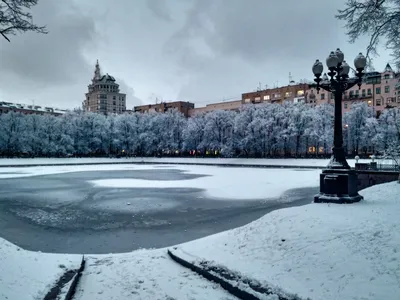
193 133
268 130
12 134
218 131
298 121
32 135
320 131
244 137
356 121
126 132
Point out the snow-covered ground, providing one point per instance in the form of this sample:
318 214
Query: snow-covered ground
321 251
143 274
188 160
26 275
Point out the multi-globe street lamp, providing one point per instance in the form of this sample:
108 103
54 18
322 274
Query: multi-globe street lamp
338 183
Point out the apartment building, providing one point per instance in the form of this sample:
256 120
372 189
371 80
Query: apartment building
103 95
181 106
294 92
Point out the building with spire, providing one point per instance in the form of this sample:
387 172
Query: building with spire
103 95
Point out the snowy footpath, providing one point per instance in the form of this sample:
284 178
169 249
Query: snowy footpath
143 274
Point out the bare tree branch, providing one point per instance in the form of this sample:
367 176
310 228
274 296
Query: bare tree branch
15 17
377 19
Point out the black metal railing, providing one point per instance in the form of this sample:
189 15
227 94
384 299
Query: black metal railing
377 167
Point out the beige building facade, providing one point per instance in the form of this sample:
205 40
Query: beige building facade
229 105
103 95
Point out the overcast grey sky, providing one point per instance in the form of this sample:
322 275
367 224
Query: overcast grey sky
193 50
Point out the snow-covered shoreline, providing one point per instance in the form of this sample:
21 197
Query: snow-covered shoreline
183 160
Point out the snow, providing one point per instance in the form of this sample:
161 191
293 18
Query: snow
17 172
143 274
29 275
321 251
228 183
186 160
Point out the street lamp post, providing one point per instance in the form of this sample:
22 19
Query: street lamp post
338 183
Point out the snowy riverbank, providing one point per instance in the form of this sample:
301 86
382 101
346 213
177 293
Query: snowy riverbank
319 251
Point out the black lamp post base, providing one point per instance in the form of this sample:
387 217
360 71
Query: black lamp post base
338 186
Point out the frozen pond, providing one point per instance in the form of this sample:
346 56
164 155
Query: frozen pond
68 213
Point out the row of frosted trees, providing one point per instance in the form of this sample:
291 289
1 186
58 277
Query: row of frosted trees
270 130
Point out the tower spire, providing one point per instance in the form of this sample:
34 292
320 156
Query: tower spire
97 72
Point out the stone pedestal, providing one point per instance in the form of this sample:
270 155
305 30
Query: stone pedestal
338 186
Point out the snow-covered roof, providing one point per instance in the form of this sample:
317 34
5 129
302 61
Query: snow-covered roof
32 107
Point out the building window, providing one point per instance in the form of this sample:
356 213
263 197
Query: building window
357 93
351 94
363 92
387 76
257 99
378 90
114 98
332 96
247 100
345 105
300 92
266 97
378 102
369 92
387 89
114 103
288 94
322 96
